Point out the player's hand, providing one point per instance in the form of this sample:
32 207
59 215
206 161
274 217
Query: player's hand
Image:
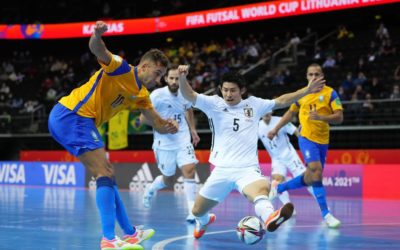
100 28
183 70
313 115
272 133
171 126
195 138
316 85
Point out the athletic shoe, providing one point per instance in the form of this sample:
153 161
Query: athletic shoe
119 244
139 236
199 229
273 191
279 216
147 196
331 221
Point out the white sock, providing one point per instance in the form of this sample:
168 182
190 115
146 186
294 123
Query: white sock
203 220
263 207
157 184
190 186
284 197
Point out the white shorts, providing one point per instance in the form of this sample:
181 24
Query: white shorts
223 180
291 162
167 160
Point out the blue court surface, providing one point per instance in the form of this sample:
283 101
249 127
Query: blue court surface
66 218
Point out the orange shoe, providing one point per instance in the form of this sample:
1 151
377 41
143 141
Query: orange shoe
119 244
199 230
279 216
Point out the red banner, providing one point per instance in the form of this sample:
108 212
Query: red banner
237 14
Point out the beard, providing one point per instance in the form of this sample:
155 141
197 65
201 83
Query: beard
173 89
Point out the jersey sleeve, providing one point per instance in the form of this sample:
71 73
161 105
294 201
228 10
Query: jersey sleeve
117 66
264 106
290 128
295 107
335 102
205 103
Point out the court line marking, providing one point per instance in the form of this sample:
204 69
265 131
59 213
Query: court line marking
161 244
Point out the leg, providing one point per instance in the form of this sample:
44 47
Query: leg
190 188
313 176
257 192
166 162
97 163
200 210
284 196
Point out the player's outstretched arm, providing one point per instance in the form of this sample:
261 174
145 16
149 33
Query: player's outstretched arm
286 118
190 120
152 118
187 92
314 86
97 45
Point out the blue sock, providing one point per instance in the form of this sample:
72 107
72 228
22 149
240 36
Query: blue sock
122 216
295 183
320 196
105 200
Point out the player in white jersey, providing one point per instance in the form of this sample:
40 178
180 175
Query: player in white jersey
174 149
283 155
234 125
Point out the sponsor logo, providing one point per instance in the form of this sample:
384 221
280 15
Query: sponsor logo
12 173
142 178
59 174
321 98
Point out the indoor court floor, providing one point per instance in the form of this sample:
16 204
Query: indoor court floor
66 218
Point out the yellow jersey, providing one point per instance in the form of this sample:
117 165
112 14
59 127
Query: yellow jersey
325 102
113 88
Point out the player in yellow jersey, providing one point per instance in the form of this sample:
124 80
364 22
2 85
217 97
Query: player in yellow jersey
316 111
73 121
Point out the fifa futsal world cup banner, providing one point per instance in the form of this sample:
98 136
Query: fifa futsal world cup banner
221 16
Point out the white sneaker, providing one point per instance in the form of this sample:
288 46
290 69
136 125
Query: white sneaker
147 196
140 235
273 191
331 221
190 218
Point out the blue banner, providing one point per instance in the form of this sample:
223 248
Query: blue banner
63 174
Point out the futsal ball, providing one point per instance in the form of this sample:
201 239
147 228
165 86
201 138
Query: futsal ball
250 230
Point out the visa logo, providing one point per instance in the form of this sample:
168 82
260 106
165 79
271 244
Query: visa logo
59 174
12 173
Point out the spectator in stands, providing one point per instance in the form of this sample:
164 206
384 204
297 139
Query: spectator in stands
329 62
343 33
342 94
367 109
397 74
360 80
395 92
347 84
340 61
382 32
375 88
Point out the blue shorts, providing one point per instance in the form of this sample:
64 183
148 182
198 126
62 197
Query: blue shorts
75 133
313 151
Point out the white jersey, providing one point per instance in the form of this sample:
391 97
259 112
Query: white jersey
280 146
171 106
234 129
